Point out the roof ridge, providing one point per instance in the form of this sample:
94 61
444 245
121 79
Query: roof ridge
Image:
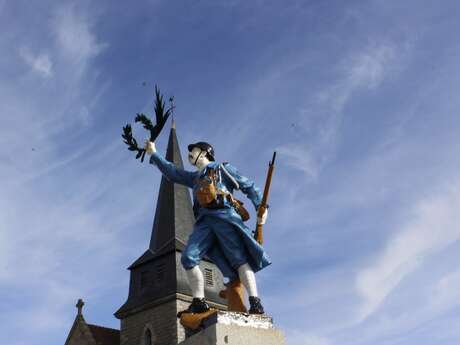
108 328
165 244
172 240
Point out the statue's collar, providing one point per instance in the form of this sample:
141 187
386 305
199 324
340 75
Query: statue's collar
211 165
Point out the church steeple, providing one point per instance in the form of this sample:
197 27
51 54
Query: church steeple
174 218
158 286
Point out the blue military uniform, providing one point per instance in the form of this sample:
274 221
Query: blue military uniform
218 233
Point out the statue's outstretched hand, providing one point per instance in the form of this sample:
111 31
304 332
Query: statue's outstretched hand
263 219
150 147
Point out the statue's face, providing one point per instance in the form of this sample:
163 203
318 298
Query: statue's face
197 157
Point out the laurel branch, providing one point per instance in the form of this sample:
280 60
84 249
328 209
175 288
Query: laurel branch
161 117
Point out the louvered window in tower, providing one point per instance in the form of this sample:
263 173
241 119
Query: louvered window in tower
145 279
208 277
161 268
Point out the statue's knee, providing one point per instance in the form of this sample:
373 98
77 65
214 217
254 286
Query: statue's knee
187 261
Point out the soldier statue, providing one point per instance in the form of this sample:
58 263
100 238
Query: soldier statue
219 231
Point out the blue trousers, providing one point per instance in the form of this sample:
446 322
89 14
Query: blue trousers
213 237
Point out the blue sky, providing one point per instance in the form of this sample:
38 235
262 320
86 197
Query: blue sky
359 98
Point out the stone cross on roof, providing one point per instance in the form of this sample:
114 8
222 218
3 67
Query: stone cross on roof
80 305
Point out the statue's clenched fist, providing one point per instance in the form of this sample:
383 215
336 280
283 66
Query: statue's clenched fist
150 147
263 219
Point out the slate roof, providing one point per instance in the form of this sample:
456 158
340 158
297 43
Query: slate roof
104 335
85 333
171 245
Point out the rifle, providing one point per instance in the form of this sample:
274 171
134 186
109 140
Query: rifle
263 205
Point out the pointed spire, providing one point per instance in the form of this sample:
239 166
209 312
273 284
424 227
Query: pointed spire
174 218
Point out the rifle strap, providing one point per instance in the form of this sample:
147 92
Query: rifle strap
231 178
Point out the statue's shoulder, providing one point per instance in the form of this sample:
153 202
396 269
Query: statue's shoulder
214 165
228 166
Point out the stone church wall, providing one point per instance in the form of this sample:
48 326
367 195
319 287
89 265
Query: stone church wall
162 322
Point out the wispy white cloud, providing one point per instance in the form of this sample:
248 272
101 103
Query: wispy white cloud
40 63
54 226
390 176
66 237
74 35
445 292
299 158
48 311
369 68
434 225
363 69
322 114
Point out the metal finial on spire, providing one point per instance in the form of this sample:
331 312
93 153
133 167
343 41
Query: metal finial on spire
80 305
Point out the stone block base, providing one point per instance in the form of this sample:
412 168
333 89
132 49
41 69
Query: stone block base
228 328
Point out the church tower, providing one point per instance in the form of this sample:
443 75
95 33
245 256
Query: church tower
158 287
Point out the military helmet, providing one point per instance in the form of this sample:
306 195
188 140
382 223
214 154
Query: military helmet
205 147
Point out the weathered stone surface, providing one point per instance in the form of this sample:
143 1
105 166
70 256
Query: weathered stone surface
225 328
160 320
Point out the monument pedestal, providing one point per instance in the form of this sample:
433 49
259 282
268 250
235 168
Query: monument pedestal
232 328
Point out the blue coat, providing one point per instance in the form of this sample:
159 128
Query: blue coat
230 252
